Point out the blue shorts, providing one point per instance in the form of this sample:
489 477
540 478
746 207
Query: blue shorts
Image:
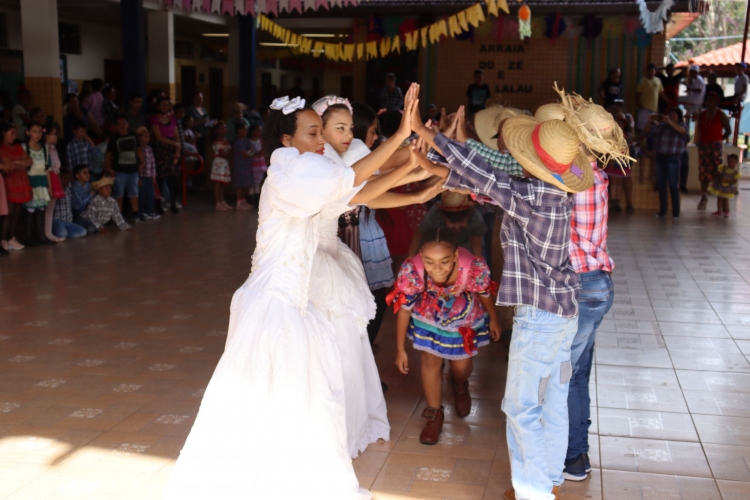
125 185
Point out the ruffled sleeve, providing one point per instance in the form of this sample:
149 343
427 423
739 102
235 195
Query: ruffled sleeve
409 286
357 150
479 277
302 184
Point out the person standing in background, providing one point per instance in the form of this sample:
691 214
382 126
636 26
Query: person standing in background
671 83
711 128
649 90
297 90
611 88
391 97
696 92
200 119
477 94
732 103
94 101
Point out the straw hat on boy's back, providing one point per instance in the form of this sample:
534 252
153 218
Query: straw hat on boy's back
550 151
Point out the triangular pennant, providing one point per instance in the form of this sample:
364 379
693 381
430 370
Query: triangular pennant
360 50
250 7
492 8
260 6
442 29
409 40
453 28
503 5
475 15
372 50
239 7
385 46
396 44
283 5
423 36
295 5
462 21
321 3
227 6
309 4
206 6
317 49
272 7
349 52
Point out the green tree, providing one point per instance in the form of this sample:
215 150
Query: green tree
724 18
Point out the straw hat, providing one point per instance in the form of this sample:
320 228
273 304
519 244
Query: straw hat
487 122
556 157
595 126
104 181
455 202
549 112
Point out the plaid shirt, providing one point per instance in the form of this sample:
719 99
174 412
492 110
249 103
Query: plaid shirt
62 209
501 160
667 140
535 234
391 99
149 169
588 242
102 210
80 196
80 153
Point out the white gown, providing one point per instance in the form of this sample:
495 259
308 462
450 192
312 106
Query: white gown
272 424
341 293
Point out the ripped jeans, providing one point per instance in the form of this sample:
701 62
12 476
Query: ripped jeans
536 400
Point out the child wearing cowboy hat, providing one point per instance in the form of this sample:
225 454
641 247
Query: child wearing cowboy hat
103 208
538 279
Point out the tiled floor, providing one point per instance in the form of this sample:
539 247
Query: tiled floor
107 343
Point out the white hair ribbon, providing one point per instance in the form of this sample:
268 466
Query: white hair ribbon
287 106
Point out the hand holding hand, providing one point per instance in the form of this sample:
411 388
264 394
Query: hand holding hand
495 330
411 108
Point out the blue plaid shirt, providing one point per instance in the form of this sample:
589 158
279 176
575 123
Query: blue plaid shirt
80 153
535 235
80 196
62 210
668 140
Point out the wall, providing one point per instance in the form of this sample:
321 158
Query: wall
98 42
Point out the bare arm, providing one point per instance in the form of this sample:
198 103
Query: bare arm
476 246
393 200
156 131
489 305
383 183
402 324
141 160
398 158
367 166
725 124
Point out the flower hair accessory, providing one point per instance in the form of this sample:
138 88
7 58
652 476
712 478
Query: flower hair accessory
287 106
321 105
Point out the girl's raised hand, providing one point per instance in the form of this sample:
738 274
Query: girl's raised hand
402 362
411 102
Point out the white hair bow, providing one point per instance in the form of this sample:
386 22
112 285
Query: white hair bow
287 106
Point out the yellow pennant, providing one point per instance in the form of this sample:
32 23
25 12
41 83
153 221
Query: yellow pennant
492 8
503 4
442 29
372 50
462 20
423 36
360 50
349 52
396 44
475 15
385 46
453 26
317 49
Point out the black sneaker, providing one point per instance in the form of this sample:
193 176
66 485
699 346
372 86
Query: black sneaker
586 462
575 469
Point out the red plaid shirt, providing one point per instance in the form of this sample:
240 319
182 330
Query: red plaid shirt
588 241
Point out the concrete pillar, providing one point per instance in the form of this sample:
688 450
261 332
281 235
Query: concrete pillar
233 85
41 55
133 23
161 52
247 61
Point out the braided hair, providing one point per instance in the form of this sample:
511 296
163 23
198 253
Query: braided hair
275 127
438 236
42 142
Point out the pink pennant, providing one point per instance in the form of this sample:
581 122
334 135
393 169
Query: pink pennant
250 7
272 7
227 6
321 3
295 4
207 6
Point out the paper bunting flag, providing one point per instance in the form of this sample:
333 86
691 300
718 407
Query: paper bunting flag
385 46
462 21
453 28
317 49
309 4
423 36
197 5
260 6
321 3
442 29
503 5
227 6
295 5
372 50
411 40
353 3
349 52
283 5
272 7
492 8
360 50
396 44
167 3
206 6
250 7
475 15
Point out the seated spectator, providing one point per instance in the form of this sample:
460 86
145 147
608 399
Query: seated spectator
696 92
733 102
62 219
102 209
712 87
455 213
81 150
122 163
80 191
189 135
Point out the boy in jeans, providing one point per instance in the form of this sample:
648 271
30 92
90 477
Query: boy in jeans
538 280
121 162
102 209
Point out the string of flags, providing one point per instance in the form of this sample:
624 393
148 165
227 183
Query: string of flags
251 7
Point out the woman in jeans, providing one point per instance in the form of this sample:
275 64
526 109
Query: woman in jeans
166 146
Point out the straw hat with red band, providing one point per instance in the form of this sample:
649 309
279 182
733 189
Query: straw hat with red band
455 202
550 151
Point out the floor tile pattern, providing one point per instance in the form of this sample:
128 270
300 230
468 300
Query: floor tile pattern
107 344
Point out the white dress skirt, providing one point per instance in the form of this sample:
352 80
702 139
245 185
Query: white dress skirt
272 424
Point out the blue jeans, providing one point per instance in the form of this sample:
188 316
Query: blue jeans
125 185
536 397
597 295
668 173
85 224
147 195
63 229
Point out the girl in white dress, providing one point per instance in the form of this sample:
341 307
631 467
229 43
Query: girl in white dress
272 424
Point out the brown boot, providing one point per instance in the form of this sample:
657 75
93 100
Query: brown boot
462 399
434 426
511 493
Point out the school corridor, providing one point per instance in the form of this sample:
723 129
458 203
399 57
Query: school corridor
107 344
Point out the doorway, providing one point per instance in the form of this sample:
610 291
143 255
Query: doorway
216 89
189 79
347 87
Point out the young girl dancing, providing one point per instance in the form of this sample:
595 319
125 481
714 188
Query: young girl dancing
276 402
221 174
444 300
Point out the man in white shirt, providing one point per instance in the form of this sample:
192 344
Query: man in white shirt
733 102
696 91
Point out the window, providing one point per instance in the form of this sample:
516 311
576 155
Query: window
70 38
183 50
